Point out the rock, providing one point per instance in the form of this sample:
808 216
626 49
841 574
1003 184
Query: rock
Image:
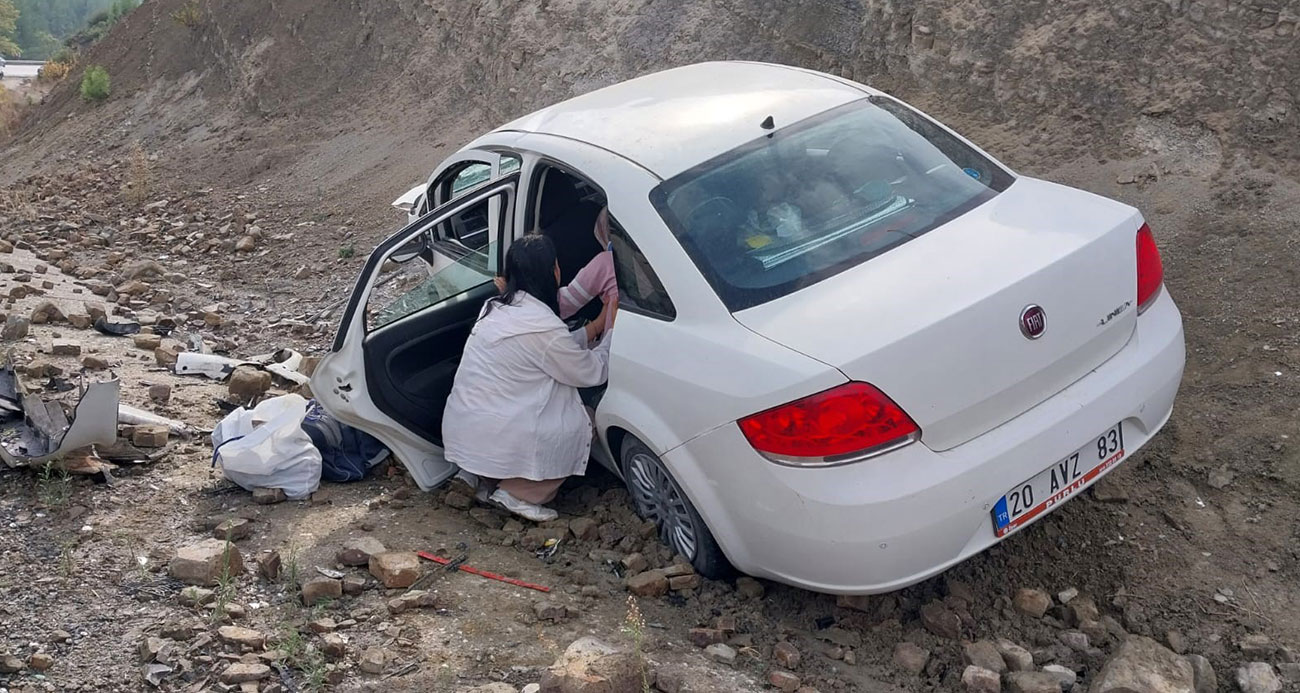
634 563
150 436
910 657
940 621
488 518
40 661
1033 682
395 568
160 393
47 312
244 637
1068 595
206 562
983 654
589 665
358 550
1095 631
167 354
1031 602
721 653
373 660
354 584
196 596
334 646
318 588
684 583
1203 676
241 672
458 500
412 599
148 342
268 565
651 583
786 655
1257 646
245 244
703 637
977 680
1084 609
1290 672
10 664
749 588
550 611
1016 657
64 347
60 636
1108 490
494 687
268 496
248 383
79 320
585 529
1065 676
15 328
1142 664
1074 640
323 625
1258 677
784 681
94 363
150 647
1219 477
234 529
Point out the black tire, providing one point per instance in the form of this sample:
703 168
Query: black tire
681 528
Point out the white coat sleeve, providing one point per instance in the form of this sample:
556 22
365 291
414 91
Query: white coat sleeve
575 365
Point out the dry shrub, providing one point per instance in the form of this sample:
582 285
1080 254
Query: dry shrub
140 175
17 202
56 71
10 111
189 15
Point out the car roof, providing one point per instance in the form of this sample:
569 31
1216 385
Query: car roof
673 120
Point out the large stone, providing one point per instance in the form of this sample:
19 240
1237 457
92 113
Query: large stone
1065 676
911 657
1206 680
1257 646
1032 602
334 646
268 496
1258 677
233 529
651 583
269 564
749 588
1142 665
412 599
977 680
319 588
148 342
248 383
940 621
786 655
206 562
395 568
1033 682
783 681
40 661
244 637
703 637
16 327
721 653
373 660
9 664
589 665
983 654
47 312
150 436
358 550
1016 657
241 672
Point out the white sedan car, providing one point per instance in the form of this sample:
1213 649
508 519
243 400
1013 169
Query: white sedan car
854 349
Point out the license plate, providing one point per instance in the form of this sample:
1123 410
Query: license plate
1058 482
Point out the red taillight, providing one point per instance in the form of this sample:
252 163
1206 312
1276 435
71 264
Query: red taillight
844 423
1151 272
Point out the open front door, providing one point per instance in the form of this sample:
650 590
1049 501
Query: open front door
395 356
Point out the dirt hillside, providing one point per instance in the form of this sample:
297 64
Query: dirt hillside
304 119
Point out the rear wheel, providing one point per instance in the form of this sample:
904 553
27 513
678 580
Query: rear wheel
658 498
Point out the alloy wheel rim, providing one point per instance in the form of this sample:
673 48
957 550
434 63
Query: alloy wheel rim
659 500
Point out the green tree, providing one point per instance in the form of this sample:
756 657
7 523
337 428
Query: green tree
8 26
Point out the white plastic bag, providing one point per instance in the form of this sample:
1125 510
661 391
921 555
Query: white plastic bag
267 448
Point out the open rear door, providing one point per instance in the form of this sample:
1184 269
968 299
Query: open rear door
393 361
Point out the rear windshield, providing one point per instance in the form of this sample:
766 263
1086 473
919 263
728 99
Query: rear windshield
820 196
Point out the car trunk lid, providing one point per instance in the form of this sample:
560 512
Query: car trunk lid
936 322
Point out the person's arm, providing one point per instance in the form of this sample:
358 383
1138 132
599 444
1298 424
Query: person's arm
574 365
596 278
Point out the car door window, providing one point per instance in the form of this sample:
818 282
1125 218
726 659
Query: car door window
459 254
639 288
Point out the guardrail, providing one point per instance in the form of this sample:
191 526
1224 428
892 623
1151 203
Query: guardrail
15 61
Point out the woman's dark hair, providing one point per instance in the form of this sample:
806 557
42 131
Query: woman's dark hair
530 268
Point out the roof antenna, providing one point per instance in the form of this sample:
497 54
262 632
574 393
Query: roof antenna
768 123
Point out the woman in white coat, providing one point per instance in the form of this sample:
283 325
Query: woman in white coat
514 414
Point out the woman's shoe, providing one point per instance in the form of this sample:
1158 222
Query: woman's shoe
524 509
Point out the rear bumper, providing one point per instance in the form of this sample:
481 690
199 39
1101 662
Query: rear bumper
895 520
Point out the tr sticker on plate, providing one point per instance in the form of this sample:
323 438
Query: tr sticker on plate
1062 480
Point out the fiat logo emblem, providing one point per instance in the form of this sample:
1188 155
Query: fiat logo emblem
1033 321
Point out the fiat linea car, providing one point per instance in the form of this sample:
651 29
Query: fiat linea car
853 348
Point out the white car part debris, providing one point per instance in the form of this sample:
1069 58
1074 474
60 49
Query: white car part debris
45 431
265 447
283 363
128 414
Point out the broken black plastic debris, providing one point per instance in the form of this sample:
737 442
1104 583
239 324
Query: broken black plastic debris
116 329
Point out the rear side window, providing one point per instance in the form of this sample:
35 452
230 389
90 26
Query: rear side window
639 288
821 196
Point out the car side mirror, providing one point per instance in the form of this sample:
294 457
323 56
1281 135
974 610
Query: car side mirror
411 249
